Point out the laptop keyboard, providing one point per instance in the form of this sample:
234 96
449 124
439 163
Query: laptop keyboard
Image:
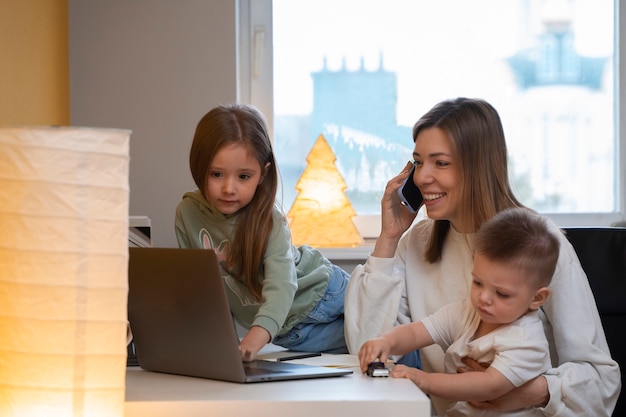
258 369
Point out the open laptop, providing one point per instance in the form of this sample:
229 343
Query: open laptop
181 322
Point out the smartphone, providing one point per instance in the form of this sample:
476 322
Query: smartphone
410 195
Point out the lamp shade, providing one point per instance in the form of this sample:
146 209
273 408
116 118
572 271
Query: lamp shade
63 271
321 214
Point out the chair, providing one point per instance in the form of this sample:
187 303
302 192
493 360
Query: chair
602 254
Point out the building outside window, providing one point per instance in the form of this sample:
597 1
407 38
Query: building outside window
361 72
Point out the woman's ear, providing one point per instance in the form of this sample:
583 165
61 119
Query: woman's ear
540 297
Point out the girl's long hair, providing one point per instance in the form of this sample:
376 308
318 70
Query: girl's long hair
479 146
243 124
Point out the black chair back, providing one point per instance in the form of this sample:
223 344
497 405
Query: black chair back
602 254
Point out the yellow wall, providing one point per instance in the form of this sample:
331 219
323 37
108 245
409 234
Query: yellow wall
34 62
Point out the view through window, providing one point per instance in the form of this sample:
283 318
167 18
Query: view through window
361 72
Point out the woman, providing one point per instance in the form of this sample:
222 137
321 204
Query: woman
460 161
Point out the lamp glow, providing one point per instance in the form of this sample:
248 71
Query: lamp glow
321 214
63 271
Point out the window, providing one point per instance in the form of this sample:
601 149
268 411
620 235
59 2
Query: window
361 72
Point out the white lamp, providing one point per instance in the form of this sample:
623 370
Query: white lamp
321 214
63 271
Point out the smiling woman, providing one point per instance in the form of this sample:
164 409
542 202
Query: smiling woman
418 266
362 74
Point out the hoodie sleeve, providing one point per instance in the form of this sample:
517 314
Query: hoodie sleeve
279 281
180 227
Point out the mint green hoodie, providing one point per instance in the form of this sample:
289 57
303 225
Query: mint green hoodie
294 279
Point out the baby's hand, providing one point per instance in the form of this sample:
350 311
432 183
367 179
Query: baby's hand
418 377
375 350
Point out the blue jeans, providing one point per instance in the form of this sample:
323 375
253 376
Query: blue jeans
411 359
322 329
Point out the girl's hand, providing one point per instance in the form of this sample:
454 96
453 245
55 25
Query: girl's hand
250 345
395 218
418 377
372 351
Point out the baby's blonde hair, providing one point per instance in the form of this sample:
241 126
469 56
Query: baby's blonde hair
522 239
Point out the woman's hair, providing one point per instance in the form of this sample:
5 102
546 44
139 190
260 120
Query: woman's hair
245 125
520 238
479 149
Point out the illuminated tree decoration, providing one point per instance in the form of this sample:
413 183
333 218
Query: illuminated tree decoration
321 214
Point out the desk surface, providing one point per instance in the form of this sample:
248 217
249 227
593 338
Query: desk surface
159 395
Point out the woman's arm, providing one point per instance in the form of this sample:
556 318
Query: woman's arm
395 218
375 291
371 302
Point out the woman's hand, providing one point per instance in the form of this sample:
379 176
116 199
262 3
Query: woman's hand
534 393
395 218
250 345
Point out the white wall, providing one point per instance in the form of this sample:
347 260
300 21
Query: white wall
154 67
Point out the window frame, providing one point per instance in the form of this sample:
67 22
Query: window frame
255 86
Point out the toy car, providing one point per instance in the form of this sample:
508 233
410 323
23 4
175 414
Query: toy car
376 369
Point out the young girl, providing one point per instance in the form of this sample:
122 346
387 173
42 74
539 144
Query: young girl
292 297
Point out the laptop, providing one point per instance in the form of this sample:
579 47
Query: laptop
181 322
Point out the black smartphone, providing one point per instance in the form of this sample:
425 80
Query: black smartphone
410 195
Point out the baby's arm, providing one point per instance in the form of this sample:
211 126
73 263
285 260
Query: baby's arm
469 386
398 341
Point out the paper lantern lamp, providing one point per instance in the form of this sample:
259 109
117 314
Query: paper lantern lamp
321 214
63 271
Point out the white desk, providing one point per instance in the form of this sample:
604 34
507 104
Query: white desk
162 395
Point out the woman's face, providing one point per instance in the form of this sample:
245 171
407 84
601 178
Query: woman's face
437 176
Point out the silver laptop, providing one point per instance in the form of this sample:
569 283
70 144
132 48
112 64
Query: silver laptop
182 324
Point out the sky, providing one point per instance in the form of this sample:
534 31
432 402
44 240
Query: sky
432 61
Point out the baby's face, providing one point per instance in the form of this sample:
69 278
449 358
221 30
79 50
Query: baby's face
500 293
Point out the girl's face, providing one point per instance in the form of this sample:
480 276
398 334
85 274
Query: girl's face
500 293
233 177
437 176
